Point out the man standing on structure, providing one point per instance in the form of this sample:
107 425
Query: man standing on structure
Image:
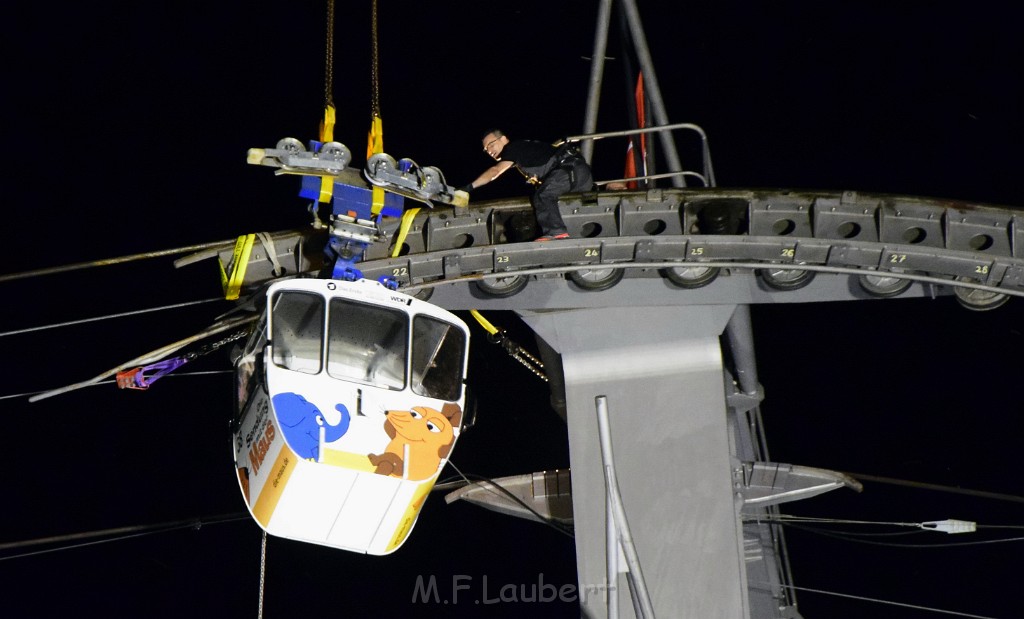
555 171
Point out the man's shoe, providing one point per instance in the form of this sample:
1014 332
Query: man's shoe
552 237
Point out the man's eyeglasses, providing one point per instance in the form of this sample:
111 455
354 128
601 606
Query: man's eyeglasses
487 146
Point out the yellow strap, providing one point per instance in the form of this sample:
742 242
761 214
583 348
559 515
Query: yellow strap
327 135
483 322
375 141
326 189
374 146
327 126
234 260
403 230
378 200
407 219
239 261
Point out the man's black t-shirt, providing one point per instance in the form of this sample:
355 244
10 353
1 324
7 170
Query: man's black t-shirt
530 155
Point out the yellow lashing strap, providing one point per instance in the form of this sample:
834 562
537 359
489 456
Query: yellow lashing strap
239 261
327 126
403 230
484 322
374 146
327 135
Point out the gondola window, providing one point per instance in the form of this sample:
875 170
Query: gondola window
368 343
298 330
437 358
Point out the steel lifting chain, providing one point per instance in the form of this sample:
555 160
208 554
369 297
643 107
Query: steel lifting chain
374 66
206 349
519 353
329 60
143 377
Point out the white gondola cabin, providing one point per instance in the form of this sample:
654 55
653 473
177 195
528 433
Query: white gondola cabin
350 400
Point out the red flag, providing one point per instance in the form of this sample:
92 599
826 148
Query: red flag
641 122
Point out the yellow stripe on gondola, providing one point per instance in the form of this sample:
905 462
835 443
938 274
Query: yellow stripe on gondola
270 495
355 462
243 479
410 516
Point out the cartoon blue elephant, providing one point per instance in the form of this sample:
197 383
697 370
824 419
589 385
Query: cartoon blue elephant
301 422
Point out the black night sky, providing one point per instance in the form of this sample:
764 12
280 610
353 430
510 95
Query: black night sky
127 128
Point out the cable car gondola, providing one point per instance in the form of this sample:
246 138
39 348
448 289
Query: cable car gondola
349 402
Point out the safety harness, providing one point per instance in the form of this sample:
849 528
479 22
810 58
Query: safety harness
566 157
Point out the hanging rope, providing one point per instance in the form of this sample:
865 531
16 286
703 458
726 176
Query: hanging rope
263 572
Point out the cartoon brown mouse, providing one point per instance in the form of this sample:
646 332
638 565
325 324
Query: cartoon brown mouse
425 434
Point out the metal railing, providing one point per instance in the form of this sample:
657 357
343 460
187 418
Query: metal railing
707 176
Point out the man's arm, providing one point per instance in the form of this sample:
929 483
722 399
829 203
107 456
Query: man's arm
491 173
